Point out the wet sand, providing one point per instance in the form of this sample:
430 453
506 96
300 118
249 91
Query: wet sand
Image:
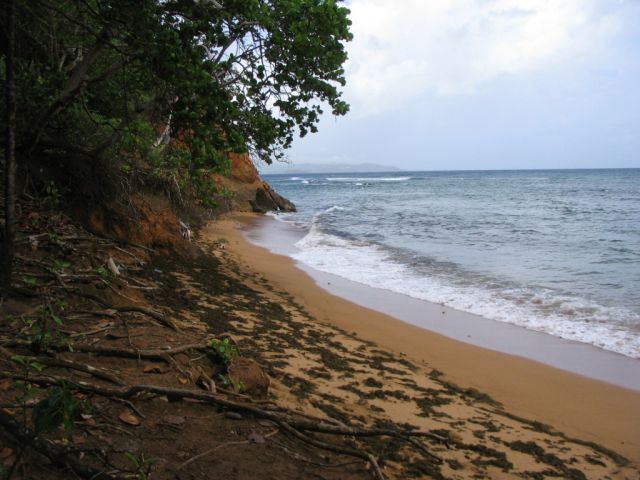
578 406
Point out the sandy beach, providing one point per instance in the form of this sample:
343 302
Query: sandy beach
579 407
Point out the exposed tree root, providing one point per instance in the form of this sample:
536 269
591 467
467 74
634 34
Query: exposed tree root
295 429
60 457
210 451
359 432
163 355
81 367
159 317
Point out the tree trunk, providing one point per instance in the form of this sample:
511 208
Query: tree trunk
72 88
10 153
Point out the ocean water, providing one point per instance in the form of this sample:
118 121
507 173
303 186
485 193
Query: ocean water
556 251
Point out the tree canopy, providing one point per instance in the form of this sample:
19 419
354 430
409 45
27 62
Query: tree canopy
103 79
95 89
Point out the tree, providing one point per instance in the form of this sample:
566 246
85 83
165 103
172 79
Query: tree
9 155
235 74
102 84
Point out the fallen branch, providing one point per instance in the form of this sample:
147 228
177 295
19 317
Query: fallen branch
132 255
126 308
335 448
69 364
296 429
210 451
218 447
114 352
86 333
81 367
159 317
302 458
377 432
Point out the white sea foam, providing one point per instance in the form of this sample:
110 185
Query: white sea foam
335 208
284 217
544 311
368 179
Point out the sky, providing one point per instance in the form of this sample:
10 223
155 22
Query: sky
487 84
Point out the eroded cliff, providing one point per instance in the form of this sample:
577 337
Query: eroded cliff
247 191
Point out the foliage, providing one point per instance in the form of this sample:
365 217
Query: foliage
104 273
232 383
59 407
224 350
44 324
61 265
141 463
27 391
27 362
51 196
32 282
103 79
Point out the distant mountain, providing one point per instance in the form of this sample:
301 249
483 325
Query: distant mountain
325 168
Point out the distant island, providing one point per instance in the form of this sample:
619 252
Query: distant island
325 168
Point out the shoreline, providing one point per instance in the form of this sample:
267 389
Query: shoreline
589 409
576 357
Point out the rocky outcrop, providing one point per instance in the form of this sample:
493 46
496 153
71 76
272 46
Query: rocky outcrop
267 199
246 191
248 375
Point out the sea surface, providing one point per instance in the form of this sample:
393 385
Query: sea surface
556 251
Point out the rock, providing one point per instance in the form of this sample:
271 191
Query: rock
253 379
255 437
176 420
283 204
268 200
263 202
247 190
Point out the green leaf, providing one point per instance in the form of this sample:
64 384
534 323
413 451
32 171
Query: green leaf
37 366
59 407
30 281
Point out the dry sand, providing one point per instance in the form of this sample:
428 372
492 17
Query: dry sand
577 406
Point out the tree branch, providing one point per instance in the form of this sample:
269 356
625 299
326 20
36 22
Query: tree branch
72 88
59 456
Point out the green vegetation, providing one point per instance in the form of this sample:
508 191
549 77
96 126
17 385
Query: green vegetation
142 465
44 324
101 76
106 95
59 407
231 383
224 350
